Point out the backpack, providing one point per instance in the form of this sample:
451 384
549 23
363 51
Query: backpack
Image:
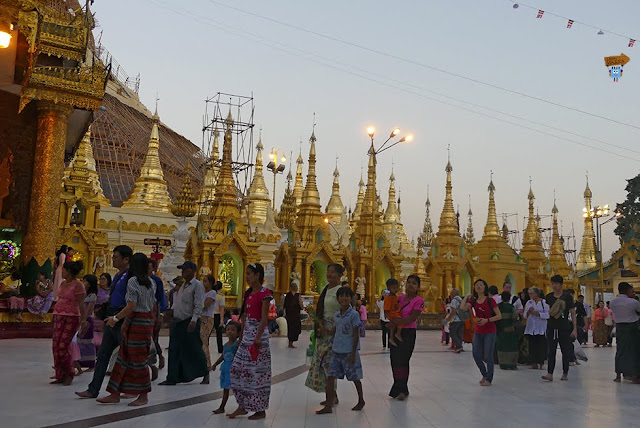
462 314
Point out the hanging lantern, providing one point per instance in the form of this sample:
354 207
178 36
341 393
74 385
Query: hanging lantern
5 34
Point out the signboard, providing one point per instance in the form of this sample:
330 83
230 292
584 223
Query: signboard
158 242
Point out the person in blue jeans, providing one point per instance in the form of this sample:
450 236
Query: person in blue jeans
484 338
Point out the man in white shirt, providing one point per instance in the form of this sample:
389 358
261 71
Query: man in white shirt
383 320
626 311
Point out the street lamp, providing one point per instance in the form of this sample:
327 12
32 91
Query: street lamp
277 167
326 221
374 152
598 212
5 33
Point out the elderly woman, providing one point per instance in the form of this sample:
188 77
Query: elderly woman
536 312
327 307
292 307
600 327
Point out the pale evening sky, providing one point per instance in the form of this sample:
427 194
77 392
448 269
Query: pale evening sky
187 51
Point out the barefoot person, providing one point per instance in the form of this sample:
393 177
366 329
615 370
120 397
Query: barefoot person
626 309
345 360
225 361
411 306
69 317
559 328
131 374
251 369
186 357
292 307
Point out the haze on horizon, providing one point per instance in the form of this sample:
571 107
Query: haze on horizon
189 51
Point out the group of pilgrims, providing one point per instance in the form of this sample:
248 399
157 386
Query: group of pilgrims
126 313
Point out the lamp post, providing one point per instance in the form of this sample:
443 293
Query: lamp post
326 220
276 166
597 213
374 152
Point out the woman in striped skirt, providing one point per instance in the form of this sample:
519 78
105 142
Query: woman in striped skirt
131 373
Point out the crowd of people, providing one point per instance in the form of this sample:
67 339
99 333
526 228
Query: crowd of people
101 320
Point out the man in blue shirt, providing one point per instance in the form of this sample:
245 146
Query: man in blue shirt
112 336
161 300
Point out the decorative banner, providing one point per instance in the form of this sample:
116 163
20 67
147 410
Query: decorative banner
570 23
616 64
540 13
631 42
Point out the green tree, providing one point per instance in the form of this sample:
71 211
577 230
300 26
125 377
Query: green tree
630 209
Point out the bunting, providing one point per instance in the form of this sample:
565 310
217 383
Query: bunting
631 42
570 23
540 13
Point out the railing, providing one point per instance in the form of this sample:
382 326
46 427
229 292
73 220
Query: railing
117 72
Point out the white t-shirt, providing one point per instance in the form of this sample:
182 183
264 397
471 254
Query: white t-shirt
380 305
218 304
208 312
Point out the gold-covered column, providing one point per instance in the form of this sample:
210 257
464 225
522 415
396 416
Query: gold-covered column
42 234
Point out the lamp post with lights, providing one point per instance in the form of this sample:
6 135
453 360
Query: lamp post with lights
375 152
276 166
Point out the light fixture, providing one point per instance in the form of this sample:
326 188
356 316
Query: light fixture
5 34
283 159
272 156
326 220
280 168
406 138
371 131
271 165
395 132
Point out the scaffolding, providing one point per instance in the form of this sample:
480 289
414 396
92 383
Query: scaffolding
217 108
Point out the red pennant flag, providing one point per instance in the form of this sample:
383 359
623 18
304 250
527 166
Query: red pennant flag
570 23
631 42
540 13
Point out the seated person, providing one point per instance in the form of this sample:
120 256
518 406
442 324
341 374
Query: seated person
10 289
41 302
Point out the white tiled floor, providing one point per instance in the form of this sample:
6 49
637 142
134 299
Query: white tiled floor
444 393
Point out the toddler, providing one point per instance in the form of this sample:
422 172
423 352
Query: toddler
392 311
228 352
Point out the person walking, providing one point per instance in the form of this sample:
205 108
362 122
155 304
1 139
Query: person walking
484 338
186 357
626 309
383 320
218 315
206 320
292 307
507 338
112 335
600 328
69 317
536 312
130 374
251 369
456 324
324 321
411 306
559 329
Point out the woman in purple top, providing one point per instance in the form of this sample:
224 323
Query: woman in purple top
411 306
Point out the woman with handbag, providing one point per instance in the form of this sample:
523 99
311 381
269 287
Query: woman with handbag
600 327
484 338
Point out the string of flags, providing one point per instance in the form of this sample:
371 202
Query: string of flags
571 22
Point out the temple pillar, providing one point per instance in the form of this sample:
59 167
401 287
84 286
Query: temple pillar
41 238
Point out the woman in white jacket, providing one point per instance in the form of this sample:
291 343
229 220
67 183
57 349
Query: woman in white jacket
536 312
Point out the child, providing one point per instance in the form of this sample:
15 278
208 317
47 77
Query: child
345 358
228 352
362 309
392 311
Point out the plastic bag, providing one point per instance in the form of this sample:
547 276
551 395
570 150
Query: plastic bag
579 352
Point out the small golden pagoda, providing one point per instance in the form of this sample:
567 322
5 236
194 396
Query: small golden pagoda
557 259
336 214
80 203
468 236
150 191
427 235
496 261
308 250
587 257
185 205
220 245
259 201
286 217
532 251
449 263
298 187
357 211
207 191
395 233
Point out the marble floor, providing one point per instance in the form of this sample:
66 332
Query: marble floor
444 393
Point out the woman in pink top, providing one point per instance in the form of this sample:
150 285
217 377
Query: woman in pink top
68 315
411 306
600 327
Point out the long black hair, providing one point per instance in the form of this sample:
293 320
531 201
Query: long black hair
255 268
93 284
106 276
139 267
62 250
320 309
486 287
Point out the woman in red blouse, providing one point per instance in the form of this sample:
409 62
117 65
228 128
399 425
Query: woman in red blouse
484 338
251 369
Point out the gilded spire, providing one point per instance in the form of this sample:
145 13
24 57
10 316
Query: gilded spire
531 232
426 237
335 207
505 231
207 190
311 196
225 185
491 229
587 258
556 252
532 250
298 187
185 205
357 212
286 217
448 219
470 239
82 170
150 190
391 214
259 200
